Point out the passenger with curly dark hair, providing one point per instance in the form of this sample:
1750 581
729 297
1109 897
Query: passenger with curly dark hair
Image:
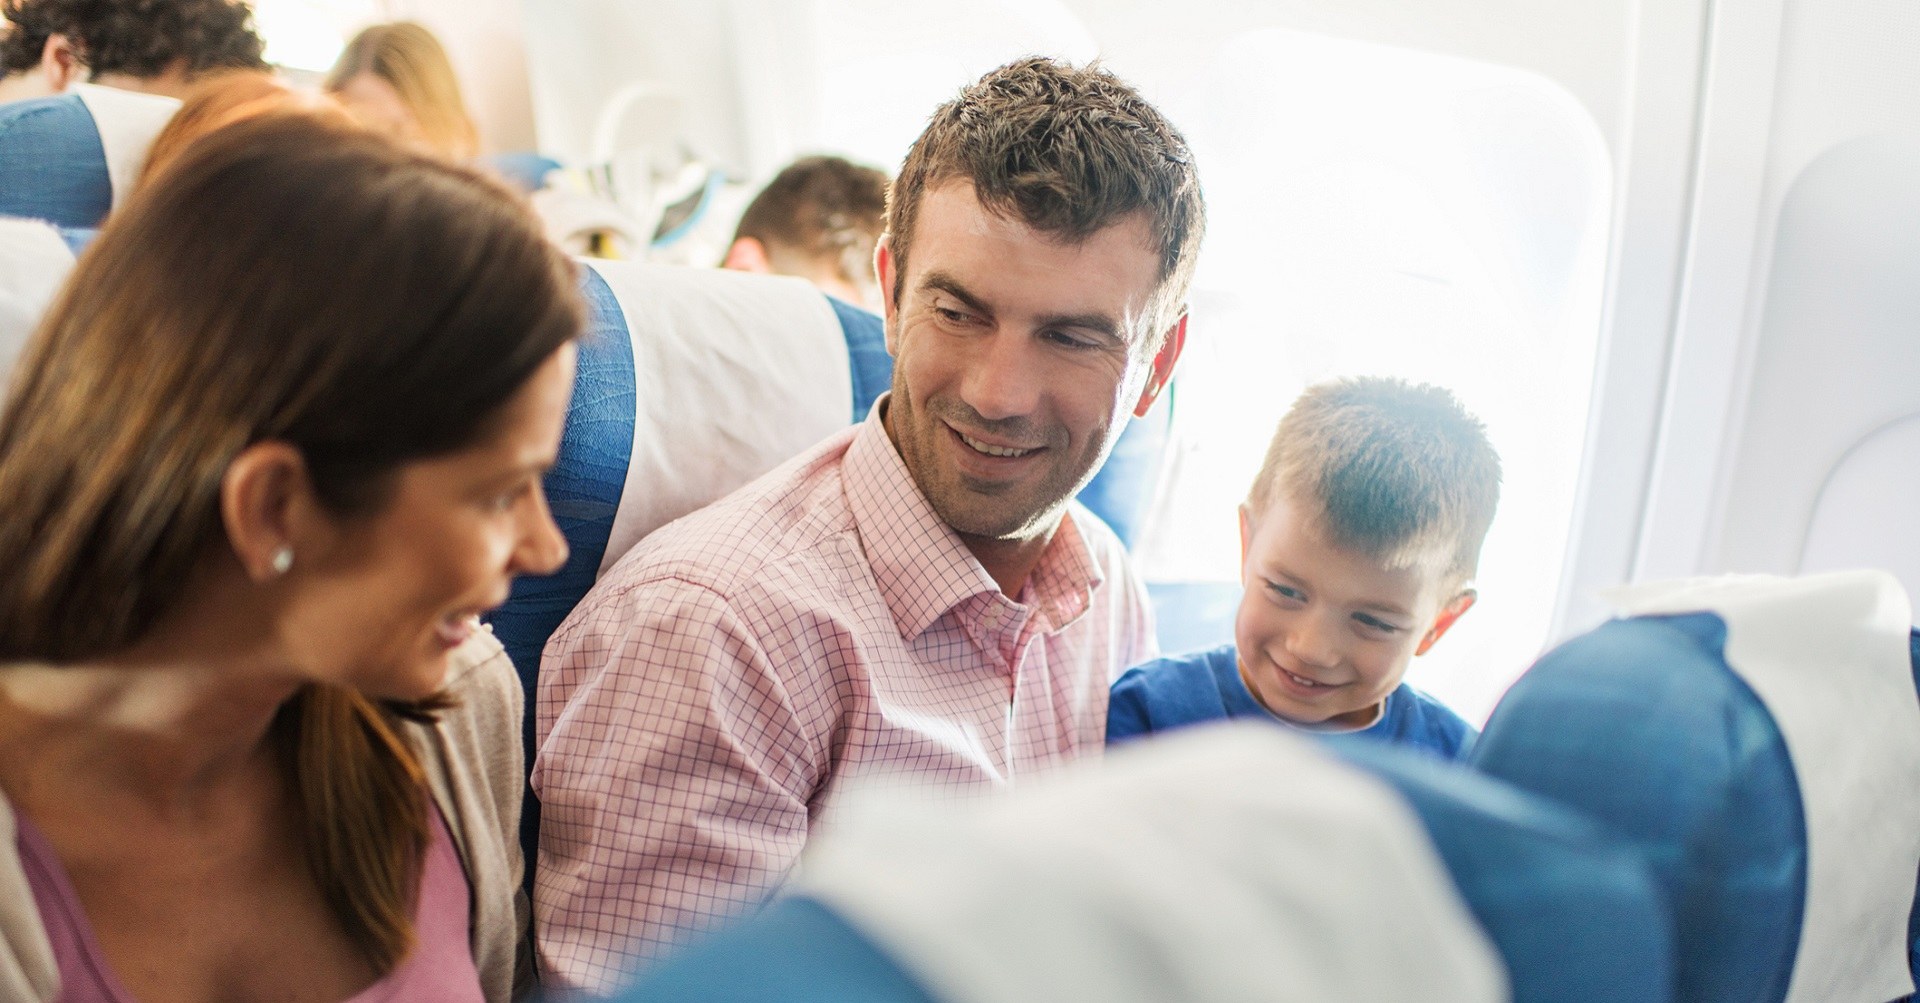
158 46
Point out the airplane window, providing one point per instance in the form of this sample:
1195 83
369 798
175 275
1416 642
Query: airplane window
1376 210
309 34
894 67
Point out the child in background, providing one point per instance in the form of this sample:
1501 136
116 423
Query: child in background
1359 543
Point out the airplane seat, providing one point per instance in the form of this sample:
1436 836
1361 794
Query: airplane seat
691 382
1757 741
70 158
1227 862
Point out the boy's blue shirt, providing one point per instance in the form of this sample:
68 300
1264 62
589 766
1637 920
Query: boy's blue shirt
1175 692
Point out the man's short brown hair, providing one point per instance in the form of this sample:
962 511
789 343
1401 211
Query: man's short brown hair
1397 471
140 38
827 210
1068 151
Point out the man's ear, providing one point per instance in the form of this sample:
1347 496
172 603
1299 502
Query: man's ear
60 63
1162 370
889 303
265 502
748 254
1455 608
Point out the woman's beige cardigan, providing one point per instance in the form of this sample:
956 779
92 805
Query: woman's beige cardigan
473 763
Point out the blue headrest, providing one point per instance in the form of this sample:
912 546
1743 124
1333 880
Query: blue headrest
67 159
1643 726
589 476
1571 915
797 951
52 166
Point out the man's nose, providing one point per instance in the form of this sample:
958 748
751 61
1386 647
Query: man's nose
1004 377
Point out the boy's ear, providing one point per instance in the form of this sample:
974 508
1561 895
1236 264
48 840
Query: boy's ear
1453 610
1246 533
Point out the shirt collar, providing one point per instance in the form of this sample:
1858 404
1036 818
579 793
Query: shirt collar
922 566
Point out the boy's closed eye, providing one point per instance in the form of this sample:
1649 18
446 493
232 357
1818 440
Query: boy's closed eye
1374 623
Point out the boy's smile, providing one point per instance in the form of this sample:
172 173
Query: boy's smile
1325 633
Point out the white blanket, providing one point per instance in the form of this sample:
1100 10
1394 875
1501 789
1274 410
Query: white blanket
33 263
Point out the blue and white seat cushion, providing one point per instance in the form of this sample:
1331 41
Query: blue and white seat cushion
691 382
1232 862
1757 742
70 158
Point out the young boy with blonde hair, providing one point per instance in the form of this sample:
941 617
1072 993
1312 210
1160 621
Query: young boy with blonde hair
1359 543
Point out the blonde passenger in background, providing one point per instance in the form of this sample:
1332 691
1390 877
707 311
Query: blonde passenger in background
396 80
275 447
819 219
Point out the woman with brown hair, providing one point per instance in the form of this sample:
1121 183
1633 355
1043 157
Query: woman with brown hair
276 446
396 79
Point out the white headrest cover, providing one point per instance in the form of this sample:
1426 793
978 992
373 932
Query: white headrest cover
734 374
1828 656
33 263
128 122
1224 863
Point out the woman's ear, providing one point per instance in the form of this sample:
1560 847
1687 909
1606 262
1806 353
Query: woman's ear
265 498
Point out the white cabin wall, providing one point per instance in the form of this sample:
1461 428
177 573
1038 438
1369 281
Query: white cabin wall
1803 282
583 51
1830 350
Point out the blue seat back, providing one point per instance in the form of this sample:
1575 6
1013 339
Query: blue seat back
69 158
1575 915
1643 726
52 166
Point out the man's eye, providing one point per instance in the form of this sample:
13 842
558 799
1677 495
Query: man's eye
1067 339
952 316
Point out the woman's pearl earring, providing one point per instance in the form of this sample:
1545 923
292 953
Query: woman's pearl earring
282 560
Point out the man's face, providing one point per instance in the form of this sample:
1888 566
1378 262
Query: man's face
1017 358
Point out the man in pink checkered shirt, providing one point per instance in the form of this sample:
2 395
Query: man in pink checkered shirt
915 596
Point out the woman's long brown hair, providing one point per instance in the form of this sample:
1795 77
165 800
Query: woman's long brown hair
293 280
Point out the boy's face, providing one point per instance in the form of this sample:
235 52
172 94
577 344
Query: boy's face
1324 634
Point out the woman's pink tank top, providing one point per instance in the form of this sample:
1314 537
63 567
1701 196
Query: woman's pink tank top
440 969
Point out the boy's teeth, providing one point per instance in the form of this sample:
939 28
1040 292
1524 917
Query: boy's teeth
991 450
